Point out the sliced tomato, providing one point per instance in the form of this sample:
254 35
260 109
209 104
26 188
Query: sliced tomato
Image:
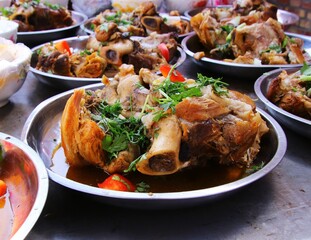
117 182
164 51
176 76
63 47
3 188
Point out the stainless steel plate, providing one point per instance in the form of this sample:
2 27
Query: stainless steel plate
297 124
191 44
27 180
78 43
87 26
37 37
42 132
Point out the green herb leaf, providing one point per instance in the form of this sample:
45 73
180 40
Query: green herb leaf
255 168
219 86
119 131
132 166
142 187
305 69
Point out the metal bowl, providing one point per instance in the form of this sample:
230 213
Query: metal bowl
64 82
191 44
27 180
37 37
87 26
284 17
297 124
42 132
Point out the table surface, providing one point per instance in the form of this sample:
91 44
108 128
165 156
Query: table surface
278 206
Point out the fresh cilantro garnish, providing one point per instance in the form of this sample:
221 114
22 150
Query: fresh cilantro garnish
227 28
85 52
255 168
117 18
6 11
174 92
284 42
132 166
305 70
119 131
142 187
52 6
104 27
306 77
219 87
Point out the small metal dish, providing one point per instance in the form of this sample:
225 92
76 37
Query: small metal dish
293 122
42 132
64 82
27 182
34 38
191 44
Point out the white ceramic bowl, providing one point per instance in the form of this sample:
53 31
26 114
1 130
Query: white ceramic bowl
14 66
8 30
27 187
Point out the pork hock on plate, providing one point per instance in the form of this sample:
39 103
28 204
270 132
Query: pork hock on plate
150 123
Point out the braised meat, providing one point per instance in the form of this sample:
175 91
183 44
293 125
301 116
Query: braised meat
99 58
159 127
248 33
291 93
36 16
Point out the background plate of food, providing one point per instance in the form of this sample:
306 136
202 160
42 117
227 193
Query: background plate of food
90 68
286 95
192 46
137 22
34 38
286 18
43 22
162 176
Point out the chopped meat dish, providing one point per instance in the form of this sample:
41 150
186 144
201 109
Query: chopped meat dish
292 92
140 22
247 33
104 58
37 16
160 124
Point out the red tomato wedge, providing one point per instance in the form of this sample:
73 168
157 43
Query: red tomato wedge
164 51
175 76
63 47
3 188
117 182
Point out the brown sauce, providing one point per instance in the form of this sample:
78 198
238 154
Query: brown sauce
186 180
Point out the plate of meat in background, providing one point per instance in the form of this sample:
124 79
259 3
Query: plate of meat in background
79 44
